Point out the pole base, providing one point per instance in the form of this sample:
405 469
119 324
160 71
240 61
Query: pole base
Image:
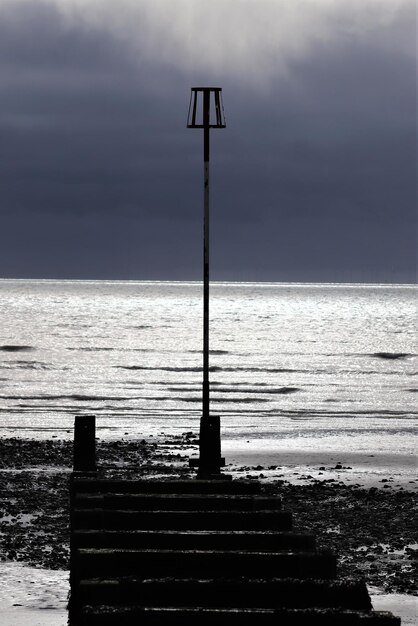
194 461
210 471
205 476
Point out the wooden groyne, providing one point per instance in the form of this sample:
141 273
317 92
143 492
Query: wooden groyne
171 552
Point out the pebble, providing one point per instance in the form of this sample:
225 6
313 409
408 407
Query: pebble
365 517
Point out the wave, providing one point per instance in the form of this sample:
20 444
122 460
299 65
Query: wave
75 396
158 369
391 355
210 352
140 326
226 400
100 349
91 349
287 390
30 365
379 355
272 370
14 348
213 368
250 390
251 369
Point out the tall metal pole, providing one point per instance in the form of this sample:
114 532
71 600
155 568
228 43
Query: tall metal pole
206 119
210 460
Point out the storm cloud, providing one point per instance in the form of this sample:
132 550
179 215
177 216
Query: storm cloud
313 178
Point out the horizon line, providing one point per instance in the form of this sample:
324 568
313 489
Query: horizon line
214 282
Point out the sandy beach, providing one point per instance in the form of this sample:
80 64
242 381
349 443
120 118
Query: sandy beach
369 524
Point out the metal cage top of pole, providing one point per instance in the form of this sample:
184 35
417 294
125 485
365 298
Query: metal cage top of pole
195 117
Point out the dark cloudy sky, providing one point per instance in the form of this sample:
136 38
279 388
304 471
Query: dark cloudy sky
312 180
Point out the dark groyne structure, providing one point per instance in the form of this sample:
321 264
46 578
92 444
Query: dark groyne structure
205 551
197 551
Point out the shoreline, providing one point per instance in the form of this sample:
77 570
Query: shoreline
368 526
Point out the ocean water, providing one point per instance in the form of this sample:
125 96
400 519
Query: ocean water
293 366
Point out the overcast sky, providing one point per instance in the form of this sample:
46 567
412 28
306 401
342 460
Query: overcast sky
312 180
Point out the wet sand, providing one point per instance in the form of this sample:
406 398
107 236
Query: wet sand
369 526
361 469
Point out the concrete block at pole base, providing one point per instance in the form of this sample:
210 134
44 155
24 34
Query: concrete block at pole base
211 470
195 461
85 443
210 438
210 461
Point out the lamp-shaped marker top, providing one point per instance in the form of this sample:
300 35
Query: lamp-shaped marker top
206 108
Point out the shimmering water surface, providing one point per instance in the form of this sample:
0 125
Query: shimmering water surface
295 366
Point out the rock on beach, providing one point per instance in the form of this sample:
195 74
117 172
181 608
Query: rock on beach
371 530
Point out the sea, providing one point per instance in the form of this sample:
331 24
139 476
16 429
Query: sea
296 369
302 367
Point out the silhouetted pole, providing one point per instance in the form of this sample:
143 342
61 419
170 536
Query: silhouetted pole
210 460
206 119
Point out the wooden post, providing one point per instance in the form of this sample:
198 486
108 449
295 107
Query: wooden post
85 443
84 462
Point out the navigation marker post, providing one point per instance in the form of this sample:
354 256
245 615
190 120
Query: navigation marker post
206 112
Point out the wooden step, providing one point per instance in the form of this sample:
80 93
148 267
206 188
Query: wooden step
128 616
176 502
181 520
97 485
197 540
261 593
203 564
201 552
